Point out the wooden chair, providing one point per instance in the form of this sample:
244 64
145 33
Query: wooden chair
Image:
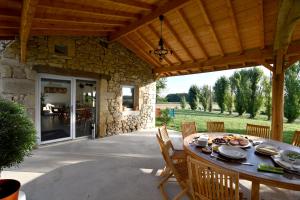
258 130
215 126
188 128
296 139
212 182
178 155
177 169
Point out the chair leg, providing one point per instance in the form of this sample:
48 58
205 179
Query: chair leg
164 180
178 196
165 171
161 188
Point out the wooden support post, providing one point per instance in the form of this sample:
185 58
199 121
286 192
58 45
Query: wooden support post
277 101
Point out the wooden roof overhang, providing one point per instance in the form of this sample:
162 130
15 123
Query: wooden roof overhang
204 35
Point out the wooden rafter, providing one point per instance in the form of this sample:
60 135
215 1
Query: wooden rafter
261 23
210 26
167 7
64 32
149 44
80 8
192 32
165 42
134 4
178 39
28 10
234 25
143 54
255 55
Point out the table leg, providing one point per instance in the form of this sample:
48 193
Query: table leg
255 190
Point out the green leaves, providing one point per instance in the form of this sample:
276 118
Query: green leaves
194 93
17 134
221 89
292 93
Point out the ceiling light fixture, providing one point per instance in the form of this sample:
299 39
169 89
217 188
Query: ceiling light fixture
161 51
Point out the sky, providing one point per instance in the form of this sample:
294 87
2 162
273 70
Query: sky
181 84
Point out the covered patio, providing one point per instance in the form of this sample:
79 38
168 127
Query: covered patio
126 166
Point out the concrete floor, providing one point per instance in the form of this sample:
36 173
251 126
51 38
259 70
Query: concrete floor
118 167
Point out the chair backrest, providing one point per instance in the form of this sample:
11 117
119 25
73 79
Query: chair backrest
163 134
212 182
258 130
296 139
188 128
167 151
215 126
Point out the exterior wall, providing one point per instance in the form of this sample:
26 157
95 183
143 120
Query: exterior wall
90 54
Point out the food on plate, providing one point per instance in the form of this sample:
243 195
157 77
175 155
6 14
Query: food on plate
267 149
206 149
234 142
293 155
219 141
243 142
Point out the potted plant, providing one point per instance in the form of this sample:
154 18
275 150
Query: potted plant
17 139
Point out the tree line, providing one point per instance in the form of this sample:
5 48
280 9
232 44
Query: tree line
246 91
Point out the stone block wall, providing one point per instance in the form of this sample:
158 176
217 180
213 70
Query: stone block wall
90 54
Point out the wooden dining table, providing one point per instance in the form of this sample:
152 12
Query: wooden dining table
287 180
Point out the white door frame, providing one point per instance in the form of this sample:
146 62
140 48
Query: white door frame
72 105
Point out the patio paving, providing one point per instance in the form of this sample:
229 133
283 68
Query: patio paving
118 167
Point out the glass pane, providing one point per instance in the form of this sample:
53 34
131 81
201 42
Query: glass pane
55 109
85 107
128 97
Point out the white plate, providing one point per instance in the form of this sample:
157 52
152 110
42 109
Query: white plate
232 152
286 165
262 145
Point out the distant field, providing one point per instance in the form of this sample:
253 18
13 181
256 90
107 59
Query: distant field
233 123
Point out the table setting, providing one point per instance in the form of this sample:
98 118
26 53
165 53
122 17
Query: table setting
235 149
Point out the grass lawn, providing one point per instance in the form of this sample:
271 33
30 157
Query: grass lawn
233 123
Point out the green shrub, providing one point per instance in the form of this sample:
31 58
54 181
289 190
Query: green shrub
17 134
164 117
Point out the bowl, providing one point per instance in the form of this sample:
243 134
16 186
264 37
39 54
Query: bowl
290 156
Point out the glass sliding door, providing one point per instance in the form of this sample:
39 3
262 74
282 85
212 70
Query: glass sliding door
55 107
85 107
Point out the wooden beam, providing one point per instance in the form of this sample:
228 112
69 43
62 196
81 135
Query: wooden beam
63 32
28 10
167 45
277 105
67 26
81 8
145 20
133 4
255 55
234 25
210 26
56 18
288 17
260 20
9 32
149 44
268 66
178 39
136 49
191 31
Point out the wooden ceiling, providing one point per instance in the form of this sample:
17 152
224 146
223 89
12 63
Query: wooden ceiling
205 35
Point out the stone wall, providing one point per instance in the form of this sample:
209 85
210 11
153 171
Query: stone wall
90 54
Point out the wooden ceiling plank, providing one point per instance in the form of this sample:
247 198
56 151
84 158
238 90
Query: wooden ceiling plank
152 29
144 55
134 4
178 38
261 23
28 11
234 24
191 31
210 26
59 5
147 19
149 44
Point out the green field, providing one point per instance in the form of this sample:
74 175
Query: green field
233 123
